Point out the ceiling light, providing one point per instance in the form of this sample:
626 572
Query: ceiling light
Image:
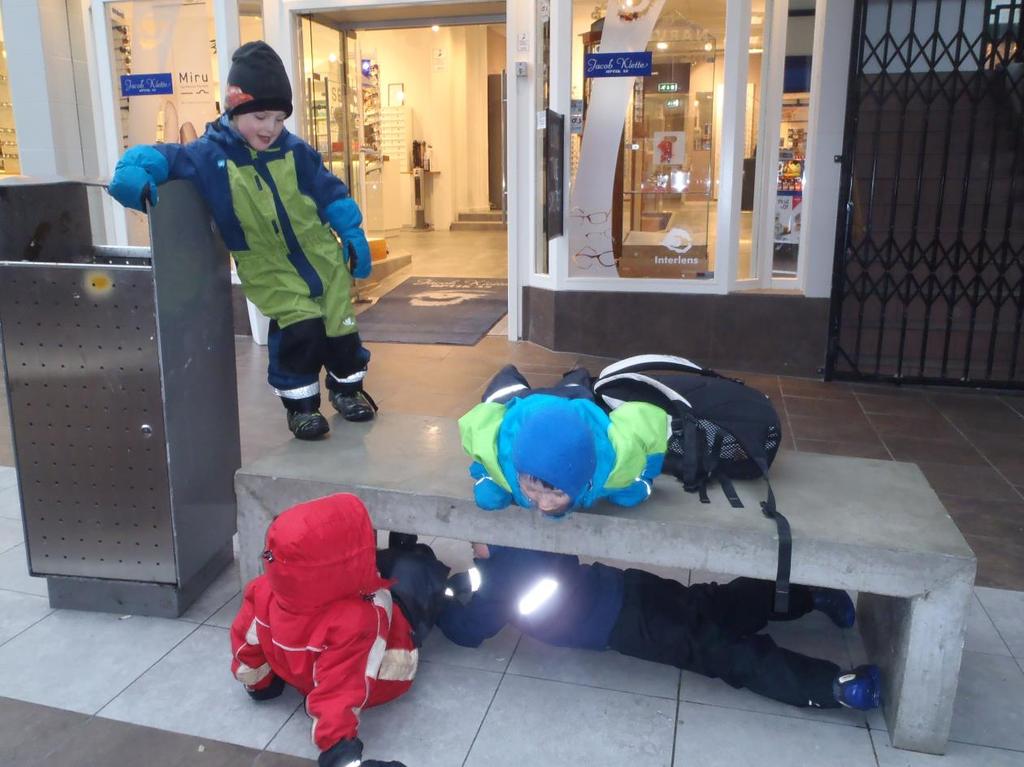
435 28
708 45
662 46
755 19
332 57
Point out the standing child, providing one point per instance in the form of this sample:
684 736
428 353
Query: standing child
275 205
323 619
707 628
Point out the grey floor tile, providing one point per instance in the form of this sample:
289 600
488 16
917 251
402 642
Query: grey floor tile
19 611
982 635
989 706
1006 609
10 502
191 690
458 555
957 755
11 533
14 573
79 661
8 477
219 593
828 644
493 654
437 720
225 616
607 670
709 736
533 721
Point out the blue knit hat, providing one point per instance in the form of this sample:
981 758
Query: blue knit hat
555 445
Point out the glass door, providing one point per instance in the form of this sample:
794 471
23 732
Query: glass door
342 113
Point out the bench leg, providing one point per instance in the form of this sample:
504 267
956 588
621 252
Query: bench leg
253 519
918 643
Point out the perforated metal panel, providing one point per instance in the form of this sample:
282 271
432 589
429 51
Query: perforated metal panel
88 426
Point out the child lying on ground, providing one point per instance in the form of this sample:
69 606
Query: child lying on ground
707 628
325 618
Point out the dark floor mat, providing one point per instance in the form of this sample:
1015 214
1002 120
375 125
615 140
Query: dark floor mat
436 310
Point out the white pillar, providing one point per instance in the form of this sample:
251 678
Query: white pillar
830 70
42 80
734 106
225 21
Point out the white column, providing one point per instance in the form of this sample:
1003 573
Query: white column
560 88
225 21
830 70
39 64
734 104
520 159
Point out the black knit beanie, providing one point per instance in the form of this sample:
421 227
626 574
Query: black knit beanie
257 81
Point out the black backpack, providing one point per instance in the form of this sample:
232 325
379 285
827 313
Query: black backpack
721 430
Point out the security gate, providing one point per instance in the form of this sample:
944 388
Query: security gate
928 281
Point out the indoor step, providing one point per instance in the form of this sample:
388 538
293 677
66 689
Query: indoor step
478 226
480 215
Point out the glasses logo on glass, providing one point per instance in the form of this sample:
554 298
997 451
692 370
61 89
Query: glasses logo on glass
599 246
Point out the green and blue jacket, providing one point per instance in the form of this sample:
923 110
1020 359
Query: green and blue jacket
270 207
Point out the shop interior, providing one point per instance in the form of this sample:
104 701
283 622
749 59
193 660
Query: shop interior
411 119
667 180
9 161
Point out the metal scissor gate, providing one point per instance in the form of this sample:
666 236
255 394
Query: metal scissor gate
928 280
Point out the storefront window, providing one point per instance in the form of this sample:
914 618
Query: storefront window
746 267
548 155
796 96
645 168
9 161
166 84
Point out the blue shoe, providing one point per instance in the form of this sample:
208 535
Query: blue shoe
836 604
860 689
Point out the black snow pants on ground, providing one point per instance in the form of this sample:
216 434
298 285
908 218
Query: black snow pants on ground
711 629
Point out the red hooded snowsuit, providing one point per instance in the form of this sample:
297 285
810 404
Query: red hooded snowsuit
321 618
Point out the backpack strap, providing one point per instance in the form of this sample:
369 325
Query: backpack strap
642 362
785 557
670 395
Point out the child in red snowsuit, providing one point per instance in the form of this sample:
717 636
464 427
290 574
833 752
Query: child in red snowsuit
322 619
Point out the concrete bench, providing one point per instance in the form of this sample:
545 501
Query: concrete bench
875 527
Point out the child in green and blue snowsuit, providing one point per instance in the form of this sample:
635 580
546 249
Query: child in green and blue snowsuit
556 450
275 205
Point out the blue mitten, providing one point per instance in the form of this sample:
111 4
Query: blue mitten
136 177
490 495
345 218
632 495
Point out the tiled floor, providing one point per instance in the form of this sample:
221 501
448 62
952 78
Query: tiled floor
99 689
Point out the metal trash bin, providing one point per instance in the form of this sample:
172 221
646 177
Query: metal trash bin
120 370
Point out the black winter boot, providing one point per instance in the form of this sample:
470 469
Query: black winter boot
354 406
307 425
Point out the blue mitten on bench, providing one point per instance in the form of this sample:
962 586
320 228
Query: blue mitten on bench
487 493
633 495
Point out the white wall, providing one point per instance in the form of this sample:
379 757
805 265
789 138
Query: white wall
43 80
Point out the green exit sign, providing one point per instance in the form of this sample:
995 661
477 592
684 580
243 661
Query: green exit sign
672 104
668 87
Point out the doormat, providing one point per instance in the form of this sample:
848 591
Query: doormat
436 310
